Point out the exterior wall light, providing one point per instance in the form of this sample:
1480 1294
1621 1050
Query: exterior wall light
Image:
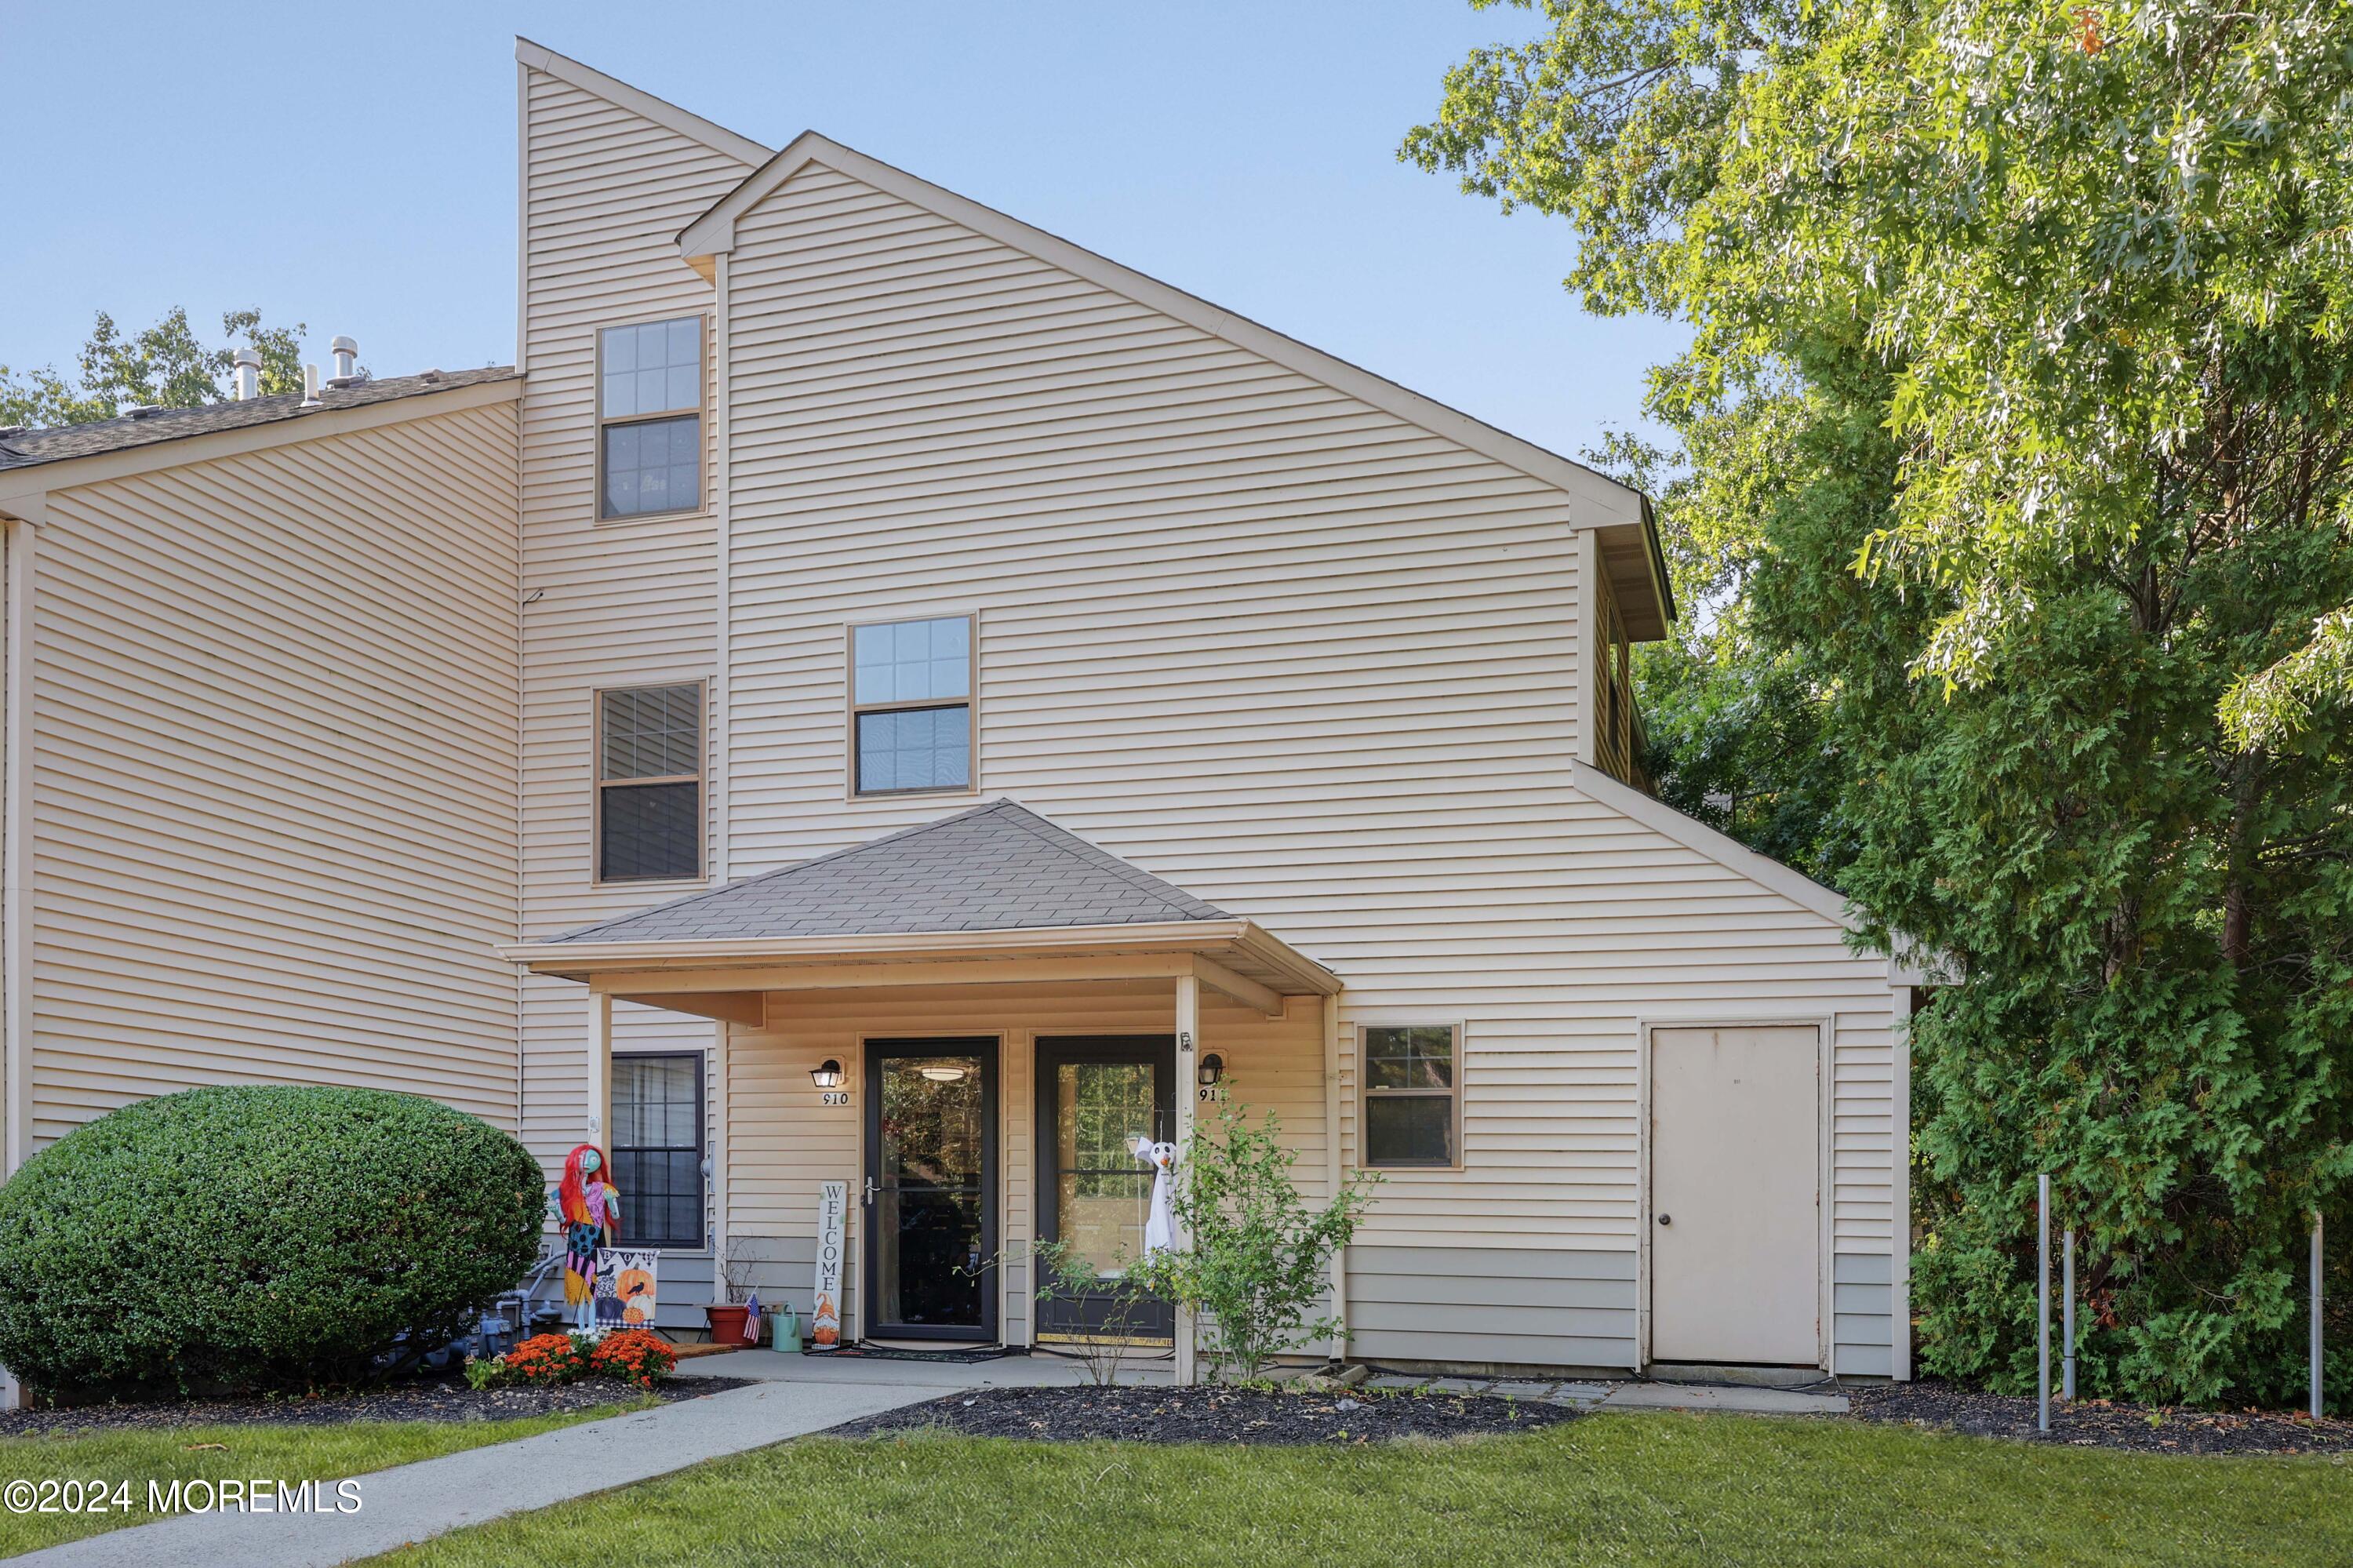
1212 1069
826 1075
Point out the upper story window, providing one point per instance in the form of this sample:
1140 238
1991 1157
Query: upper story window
910 706
649 418
1411 1095
649 783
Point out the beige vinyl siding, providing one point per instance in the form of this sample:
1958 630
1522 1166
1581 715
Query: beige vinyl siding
1295 655
621 602
784 1142
273 773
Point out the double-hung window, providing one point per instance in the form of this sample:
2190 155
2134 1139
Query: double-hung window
649 418
657 1148
911 706
1411 1094
649 783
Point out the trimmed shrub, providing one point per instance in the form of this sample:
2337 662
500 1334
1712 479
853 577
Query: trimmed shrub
257 1237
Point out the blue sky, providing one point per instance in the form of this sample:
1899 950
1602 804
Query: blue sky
352 167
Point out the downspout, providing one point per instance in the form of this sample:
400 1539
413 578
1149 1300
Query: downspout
522 366
721 640
722 646
1899 1321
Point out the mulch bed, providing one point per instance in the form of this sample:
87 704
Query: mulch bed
439 1399
2099 1424
1212 1415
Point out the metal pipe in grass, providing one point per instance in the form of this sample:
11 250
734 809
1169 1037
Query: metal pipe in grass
2316 1315
2042 1302
2067 1320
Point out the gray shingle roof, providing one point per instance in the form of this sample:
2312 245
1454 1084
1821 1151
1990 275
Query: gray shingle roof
994 868
28 448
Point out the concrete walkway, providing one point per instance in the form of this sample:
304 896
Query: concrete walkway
413 1502
1630 1394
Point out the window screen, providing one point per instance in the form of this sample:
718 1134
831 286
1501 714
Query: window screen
649 414
1410 1095
910 706
657 1149
649 783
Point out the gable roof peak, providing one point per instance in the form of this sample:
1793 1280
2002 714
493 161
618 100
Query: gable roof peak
637 100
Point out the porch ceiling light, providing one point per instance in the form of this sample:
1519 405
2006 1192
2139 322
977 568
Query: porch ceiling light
941 1073
1212 1068
826 1075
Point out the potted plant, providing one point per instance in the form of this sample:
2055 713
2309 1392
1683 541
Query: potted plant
727 1318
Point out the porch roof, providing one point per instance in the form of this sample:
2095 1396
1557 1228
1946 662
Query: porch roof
958 896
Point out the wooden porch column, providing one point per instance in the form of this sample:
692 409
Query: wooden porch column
1188 1057
1332 1168
600 1068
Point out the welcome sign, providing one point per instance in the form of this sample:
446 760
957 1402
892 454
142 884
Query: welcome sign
832 1215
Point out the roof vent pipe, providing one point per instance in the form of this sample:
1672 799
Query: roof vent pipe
310 386
249 375
347 358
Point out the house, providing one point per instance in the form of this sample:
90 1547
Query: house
880 696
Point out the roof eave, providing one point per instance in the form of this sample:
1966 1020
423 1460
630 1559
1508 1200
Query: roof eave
32 477
581 960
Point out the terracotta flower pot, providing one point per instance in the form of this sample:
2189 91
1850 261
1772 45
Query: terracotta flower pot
727 1324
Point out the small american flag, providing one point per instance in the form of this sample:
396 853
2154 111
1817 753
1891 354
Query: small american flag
751 1318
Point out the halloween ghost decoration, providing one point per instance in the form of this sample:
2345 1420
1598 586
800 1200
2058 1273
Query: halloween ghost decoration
1159 1230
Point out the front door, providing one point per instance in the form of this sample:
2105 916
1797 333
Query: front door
1095 1097
931 1189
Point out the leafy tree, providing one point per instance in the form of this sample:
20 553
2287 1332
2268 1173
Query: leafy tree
2016 428
166 364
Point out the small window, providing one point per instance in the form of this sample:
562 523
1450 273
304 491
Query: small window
910 706
1410 1095
657 1149
649 418
649 783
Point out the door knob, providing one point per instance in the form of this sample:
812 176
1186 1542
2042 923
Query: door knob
1666 1219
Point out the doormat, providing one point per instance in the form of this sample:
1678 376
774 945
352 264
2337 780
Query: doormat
890 1353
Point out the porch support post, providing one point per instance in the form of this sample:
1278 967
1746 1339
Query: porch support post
1188 1033
1332 1168
600 1068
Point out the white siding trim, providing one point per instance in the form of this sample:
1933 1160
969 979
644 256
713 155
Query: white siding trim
184 452
1698 837
16 847
638 102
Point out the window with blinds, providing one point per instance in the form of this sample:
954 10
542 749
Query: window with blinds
649 783
657 1149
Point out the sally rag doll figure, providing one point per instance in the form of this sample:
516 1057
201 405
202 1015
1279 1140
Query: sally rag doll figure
590 1207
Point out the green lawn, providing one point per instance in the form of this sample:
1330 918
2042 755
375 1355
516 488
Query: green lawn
1609 1489
186 1452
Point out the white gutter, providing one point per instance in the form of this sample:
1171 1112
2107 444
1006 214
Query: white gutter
1167 936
